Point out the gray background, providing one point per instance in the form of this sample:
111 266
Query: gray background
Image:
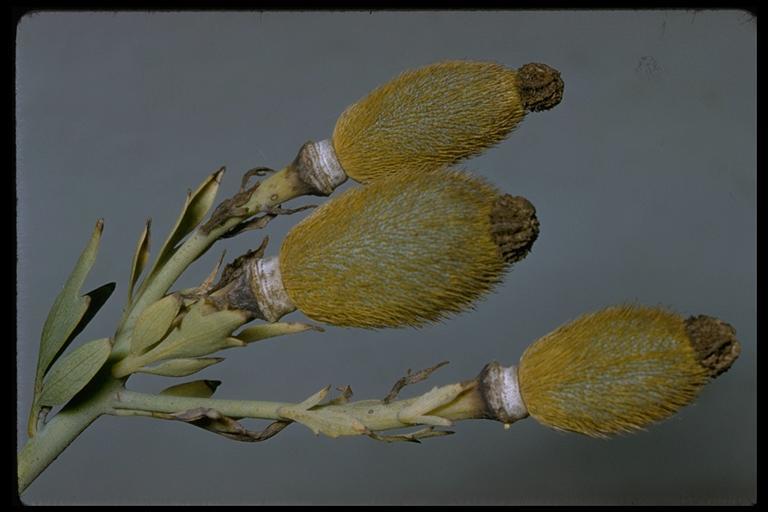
644 181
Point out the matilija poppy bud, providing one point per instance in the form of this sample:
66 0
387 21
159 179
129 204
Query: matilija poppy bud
616 370
406 250
427 118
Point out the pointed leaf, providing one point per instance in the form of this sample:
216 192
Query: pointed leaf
153 323
94 300
70 374
213 421
417 411
195 208
314 399
413 437
180 367
203 331
324 421
232 342
264 331
68 308
194 389
140 258
207 284
346 394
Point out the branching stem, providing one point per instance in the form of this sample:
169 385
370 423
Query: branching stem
276 189
45 445
42 449
375 415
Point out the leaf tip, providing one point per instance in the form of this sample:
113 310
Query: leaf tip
213 384
234 342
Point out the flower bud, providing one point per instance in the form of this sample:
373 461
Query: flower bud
408 249
622 368
439 114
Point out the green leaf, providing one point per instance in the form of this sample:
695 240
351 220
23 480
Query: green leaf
203 331
195 208
95 299
417 411
412 437
194 389
314 399
70 374
180 367
322 421
140 258
68 309
264 331
153 323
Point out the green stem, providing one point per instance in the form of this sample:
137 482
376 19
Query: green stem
278 188
172 404
374 414
45 445
42 449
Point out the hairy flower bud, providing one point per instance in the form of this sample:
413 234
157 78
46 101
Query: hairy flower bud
622 368
439 114
406 250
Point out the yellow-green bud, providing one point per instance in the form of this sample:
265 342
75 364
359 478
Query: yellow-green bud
622 368
406 250
439 114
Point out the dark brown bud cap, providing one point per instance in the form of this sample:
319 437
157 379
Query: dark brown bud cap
541 87
714 342
514 226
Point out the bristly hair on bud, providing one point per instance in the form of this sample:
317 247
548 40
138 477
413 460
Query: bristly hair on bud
406 250
438 115
622 368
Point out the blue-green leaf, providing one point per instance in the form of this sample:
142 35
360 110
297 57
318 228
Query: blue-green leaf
195 208
68 309
203 331
153 323
195 389
71 373
180 367
140 258
264 331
